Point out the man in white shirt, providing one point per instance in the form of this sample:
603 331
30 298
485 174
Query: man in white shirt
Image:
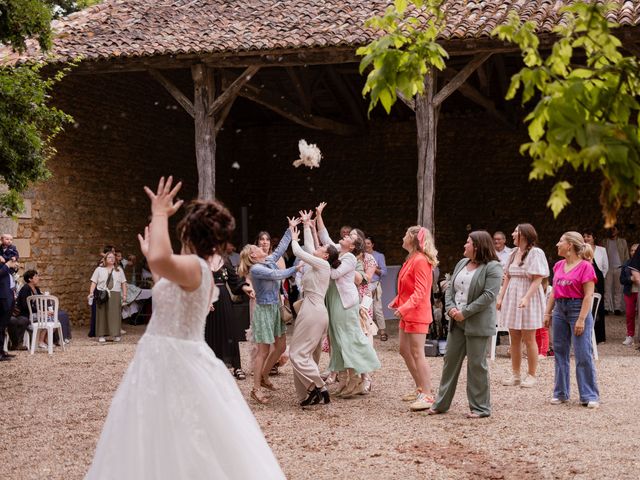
503 252
617 254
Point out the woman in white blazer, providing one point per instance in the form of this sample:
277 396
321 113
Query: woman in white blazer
351 352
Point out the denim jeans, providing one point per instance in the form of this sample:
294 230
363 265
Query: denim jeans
565 315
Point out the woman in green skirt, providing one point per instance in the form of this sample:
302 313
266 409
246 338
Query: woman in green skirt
109 278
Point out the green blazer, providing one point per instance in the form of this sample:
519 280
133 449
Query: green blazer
480 312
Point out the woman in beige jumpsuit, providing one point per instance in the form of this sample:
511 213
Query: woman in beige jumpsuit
312 320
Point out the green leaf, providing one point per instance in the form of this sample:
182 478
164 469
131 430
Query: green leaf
401 5
558 198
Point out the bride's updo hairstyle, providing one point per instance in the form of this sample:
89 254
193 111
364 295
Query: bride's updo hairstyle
207 224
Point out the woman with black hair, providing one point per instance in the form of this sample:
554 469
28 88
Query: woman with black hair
178 413
470 301
313 318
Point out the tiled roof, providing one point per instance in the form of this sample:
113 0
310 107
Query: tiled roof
144 28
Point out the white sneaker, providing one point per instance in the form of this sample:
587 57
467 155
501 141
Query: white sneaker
628 342
528 381
67 341
512 381
123 332
592 404
117 339
557 401
43 345
102 340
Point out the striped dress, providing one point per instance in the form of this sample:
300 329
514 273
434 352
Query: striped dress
520 278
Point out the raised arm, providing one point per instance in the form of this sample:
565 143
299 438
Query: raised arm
307 257
348 265
265 273
181 269
309 245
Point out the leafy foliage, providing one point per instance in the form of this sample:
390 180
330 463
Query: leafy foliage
403 55
586 115
28 124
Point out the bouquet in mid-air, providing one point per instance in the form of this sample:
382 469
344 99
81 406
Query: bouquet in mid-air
310 155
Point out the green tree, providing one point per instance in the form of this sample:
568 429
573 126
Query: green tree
586 115
28 124
402 56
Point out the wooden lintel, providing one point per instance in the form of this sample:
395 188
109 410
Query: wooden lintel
352 103
293 112
460 78
175 92
409 102
232 90
300 87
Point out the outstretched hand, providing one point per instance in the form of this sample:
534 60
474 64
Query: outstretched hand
320 208
295 234
144 241
305 215
162 201
293 222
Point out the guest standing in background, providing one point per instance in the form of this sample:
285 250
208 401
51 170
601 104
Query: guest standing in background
630 291
412 306
502 251
601 266
109 278
617 254
569 312
522 301
470 301
375 286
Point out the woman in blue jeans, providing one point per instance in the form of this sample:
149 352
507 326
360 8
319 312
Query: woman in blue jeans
570 307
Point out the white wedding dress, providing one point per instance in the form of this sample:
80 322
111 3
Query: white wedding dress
178 413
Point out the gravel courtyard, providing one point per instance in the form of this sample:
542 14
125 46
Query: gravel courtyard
53 409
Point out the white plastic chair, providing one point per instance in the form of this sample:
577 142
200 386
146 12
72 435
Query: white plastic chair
25 341
595 303
494 339
44 319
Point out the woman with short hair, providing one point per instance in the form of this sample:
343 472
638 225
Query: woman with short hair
470 300
569 312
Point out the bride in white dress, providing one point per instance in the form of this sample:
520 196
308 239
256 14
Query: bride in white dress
178 413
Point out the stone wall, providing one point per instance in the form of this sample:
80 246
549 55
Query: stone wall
129 131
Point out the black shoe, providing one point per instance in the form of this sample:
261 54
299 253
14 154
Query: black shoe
5 358
617 312
7 354
324 396
313 398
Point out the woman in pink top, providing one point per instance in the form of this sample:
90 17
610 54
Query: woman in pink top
570 307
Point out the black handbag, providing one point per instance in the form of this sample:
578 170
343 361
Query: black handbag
100 296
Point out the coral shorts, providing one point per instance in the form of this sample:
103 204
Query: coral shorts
414 327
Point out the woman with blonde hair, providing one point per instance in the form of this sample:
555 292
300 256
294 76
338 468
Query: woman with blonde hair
267 324
110 282
569 312
522 301
412 306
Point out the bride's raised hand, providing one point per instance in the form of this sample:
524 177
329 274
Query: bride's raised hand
162 201
144 241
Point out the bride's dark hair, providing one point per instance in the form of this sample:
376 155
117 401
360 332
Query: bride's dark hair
207 225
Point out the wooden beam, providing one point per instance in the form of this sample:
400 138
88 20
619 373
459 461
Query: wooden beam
293 112
460 78
205 130
474 95
409 102
301 89
175 92
427 129
223 115
232 90
339 84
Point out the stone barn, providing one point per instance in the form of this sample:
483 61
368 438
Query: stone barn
218 93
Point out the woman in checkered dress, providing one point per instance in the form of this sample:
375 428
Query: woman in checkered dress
522 302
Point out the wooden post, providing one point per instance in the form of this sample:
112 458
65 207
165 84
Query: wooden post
427 128
205 130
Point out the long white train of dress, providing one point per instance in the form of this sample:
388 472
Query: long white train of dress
178 413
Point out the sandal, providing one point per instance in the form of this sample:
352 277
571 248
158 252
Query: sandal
273 371
265 383
384 337
433 411
473 415
259 398
239 374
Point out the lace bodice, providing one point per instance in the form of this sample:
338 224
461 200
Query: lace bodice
178 313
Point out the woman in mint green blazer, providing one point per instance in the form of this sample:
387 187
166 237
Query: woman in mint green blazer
470 302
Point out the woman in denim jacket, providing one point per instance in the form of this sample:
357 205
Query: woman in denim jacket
268 327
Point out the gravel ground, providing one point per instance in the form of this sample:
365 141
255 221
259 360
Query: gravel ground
53 409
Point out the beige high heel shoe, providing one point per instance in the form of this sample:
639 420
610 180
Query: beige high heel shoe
352 387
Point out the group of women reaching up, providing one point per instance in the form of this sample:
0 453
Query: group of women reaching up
331 305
